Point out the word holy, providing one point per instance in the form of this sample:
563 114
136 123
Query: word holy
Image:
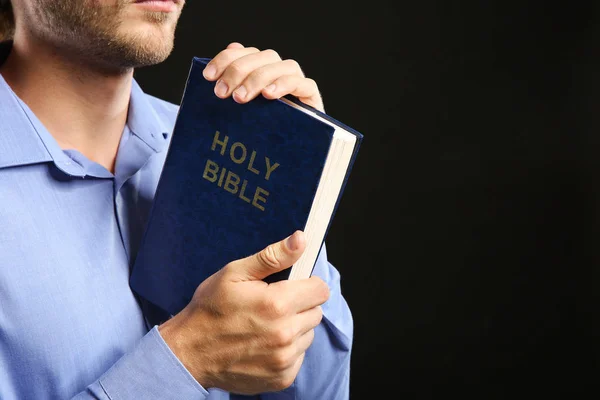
230 181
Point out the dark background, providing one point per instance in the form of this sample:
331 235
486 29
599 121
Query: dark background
467 234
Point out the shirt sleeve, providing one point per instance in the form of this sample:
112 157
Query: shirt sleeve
150 371
325 372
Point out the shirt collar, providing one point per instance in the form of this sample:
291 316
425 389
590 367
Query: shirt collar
24 140
144 121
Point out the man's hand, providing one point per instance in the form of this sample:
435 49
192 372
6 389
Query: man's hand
243 335
246 72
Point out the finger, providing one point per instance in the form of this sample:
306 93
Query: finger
305 89
274 258
235 45
307 321
293 372
263 76
239 69
303 294
214 69
304 341
288 377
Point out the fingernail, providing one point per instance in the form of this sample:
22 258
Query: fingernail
292 241
241 92
221 89
210 71
271 88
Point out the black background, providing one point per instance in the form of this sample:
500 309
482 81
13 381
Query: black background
467 234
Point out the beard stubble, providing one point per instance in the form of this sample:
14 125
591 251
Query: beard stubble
91 33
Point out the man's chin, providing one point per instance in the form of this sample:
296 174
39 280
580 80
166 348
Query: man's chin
144 46
147 27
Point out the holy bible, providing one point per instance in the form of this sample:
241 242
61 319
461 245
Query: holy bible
238 177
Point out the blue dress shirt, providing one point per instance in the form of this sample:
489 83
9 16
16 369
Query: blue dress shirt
70 327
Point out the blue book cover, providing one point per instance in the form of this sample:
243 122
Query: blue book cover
237 178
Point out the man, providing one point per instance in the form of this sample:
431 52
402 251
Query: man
81 150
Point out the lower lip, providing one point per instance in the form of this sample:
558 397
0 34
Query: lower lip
160 6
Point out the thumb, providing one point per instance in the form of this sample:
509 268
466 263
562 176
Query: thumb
273 258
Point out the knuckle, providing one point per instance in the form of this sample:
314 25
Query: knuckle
312 83
229 52
284 382
293 64
322 289
311 336
272 53
277 308
326 292
228 273
319 289
255 77
236 68
268 257
318 316
223 59
227 270
218 63
282 361
282 337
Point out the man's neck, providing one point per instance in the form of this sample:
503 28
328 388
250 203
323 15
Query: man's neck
83 108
